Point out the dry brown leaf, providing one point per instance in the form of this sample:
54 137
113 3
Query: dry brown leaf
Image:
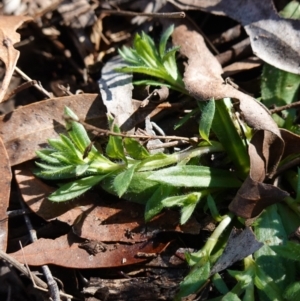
5 180
35 192
203 80
124 222
66 251
27 129
273 39
8 54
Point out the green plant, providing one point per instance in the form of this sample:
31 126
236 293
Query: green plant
163 180
158 63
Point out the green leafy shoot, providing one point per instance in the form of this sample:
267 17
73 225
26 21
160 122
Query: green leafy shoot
158 63
65 161
206 120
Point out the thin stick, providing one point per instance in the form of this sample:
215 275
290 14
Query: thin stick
22 269
110 133
35 284
289 106
166 144
36 85
177 15
19 89
53 287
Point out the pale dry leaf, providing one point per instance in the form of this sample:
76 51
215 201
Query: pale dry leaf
5 180
27 129
8 54
273 39
116 90
203 80
241 243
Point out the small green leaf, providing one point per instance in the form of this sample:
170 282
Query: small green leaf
123 179
170 65
45 155
224 128
186 118
134 149
114 147
187 203
193 281
56 172
220 284
74 189
206 120
143 70
57 144
186 212
69 114
79 136
71 147
156 161
292 292
230 296
270 231
164 39
154 205
130 55
182 200
66 158
150 82
195 176
213 208
290 250
267 285
145 48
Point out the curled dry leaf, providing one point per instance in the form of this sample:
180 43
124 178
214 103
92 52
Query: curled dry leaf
273 39
26 129
203 80
4 194
8 54
66 251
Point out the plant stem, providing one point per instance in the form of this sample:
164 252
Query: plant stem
213 239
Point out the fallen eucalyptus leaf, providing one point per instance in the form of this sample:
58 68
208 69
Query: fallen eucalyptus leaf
26 129
273 39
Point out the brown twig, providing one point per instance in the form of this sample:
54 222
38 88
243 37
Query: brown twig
286 107
22 269
110 133
176 15
35 83
52 285
19 89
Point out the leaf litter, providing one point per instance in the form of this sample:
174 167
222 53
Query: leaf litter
111 235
